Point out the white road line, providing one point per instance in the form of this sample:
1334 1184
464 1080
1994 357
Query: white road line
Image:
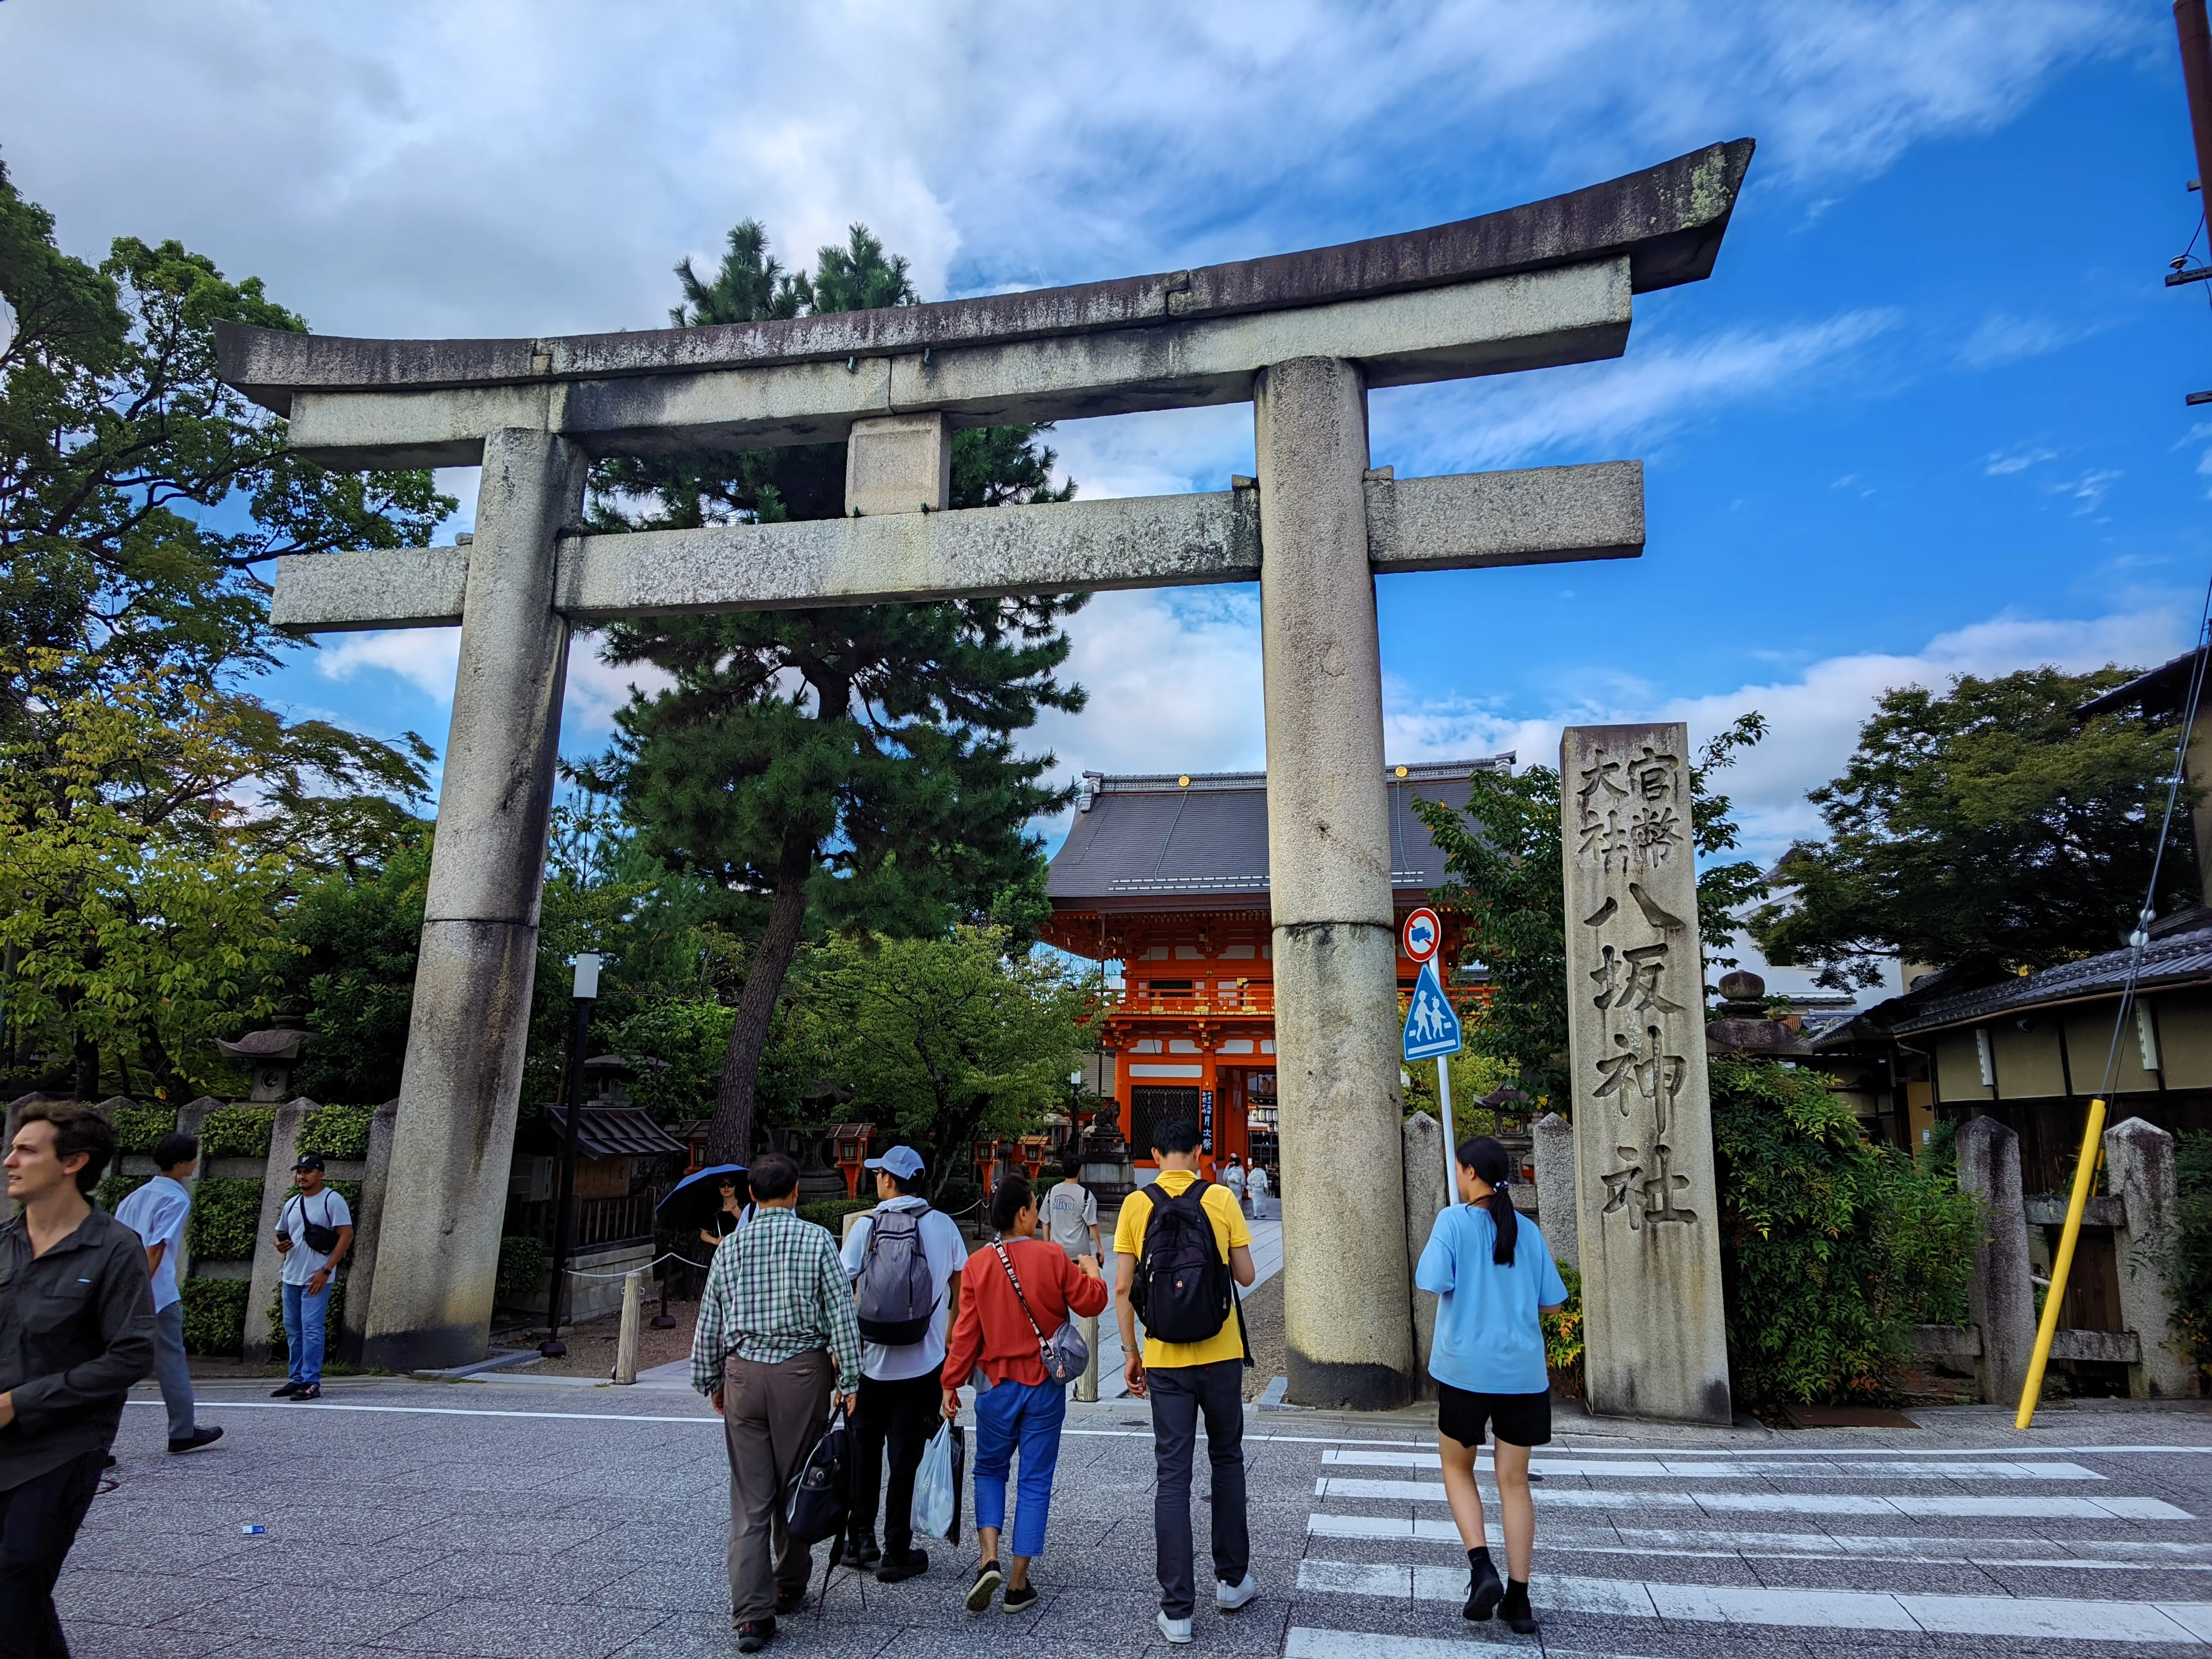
2179 1622
1924 1505
303 1412
2131 1554
1709 1468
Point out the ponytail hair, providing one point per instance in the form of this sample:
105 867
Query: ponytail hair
1489 1161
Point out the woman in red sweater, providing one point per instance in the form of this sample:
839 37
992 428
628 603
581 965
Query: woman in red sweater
1021 1405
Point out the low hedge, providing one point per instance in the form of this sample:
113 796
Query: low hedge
523 1262
215 1315
226 1218
238 1131
139 1128
337 1131
115 1188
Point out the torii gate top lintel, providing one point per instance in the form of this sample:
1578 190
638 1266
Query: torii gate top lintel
1665 223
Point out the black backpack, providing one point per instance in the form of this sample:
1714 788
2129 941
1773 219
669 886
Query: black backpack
819 1498
1182 1291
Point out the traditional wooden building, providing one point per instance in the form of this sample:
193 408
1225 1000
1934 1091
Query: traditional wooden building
1167 875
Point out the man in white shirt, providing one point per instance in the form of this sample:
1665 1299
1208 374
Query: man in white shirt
913 1269
314 1231
1070 1218
157 1212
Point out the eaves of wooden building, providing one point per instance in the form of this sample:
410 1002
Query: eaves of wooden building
1167 875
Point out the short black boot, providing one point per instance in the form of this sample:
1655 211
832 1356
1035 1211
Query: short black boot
1484 1591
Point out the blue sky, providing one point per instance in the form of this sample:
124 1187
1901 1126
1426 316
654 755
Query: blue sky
1926 417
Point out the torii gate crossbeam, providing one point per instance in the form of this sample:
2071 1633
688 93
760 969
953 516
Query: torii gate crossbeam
1303 336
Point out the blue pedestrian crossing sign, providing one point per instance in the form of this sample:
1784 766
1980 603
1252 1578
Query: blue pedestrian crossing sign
1432 1027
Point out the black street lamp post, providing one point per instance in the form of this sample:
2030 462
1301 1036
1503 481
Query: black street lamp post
583 993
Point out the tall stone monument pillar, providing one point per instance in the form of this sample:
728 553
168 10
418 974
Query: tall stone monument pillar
453 1139
1646 1205
1348 1327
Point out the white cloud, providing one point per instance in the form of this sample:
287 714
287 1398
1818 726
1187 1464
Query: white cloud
2001 465
427 659
490 166
2089 489
1813 719
2002 339
1662 384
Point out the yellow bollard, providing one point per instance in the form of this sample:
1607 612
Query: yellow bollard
2085 1172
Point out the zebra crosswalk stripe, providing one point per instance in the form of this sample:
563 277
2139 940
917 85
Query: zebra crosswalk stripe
2026 1507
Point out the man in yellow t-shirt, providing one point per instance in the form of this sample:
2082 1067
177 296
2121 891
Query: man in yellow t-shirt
1185 1380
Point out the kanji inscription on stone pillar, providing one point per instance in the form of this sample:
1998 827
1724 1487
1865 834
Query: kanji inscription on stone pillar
1645 1205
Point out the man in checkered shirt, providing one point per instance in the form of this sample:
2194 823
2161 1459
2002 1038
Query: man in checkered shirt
777 1337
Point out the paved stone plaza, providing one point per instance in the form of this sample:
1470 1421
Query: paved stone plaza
525 1518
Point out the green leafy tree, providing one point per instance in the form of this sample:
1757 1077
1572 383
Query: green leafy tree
357 933
856 764
1983 828
947 1038
1503 851
137 495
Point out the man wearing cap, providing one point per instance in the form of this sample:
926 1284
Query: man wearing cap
314 1231
902 1391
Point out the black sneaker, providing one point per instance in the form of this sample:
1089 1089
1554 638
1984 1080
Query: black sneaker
306 1391
1514 1609
987 1579
1018 1601
197 1438
899 1566
287 1391
861 1550
790 1601
1484 1591
754 1634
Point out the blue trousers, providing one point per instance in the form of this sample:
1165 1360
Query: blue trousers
173 1370
303 1332
1029 1415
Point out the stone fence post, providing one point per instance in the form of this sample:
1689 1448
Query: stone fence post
2139 1170
367 1222
1555 1187
268 1262
1424 1199
1999 1296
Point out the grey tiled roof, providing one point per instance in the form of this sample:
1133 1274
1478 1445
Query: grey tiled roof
1155 838
2182 958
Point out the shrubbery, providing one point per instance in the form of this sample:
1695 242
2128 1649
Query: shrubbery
238 1131
337 1131
139 1128
830 1212
226 1217
523 1262
1832 1246
215 1315
1563 1337
2188 1260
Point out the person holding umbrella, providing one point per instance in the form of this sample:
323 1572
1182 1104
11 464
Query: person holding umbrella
736 1208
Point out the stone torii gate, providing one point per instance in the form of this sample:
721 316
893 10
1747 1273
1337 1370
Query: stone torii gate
1303 336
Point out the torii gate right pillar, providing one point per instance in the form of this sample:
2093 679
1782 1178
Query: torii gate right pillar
1350 1341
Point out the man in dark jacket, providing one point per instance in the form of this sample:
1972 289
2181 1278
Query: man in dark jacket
76 1330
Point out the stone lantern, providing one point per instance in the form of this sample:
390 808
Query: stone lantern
269 1056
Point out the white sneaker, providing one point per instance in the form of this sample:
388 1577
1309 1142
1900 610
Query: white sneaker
1229 1597
1178 1631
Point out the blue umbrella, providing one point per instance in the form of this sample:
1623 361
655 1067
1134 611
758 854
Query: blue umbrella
696 1200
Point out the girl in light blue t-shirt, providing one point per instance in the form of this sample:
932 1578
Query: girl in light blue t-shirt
1493 1275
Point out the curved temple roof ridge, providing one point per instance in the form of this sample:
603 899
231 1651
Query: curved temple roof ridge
1668 221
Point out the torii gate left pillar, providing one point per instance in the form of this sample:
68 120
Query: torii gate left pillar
1303 336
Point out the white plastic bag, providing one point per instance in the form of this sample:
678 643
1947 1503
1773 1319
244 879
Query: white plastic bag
937 1487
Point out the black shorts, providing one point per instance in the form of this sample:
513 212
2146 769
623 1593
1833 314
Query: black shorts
1518 1420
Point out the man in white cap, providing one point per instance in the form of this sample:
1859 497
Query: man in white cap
904 1260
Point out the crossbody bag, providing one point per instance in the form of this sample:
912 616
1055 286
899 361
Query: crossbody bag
1065 1356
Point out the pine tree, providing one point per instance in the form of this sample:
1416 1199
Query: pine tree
854 762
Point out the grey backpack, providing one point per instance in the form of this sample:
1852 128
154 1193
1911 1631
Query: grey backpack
895 1298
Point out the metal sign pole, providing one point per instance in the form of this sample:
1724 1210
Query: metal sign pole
1451 1158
